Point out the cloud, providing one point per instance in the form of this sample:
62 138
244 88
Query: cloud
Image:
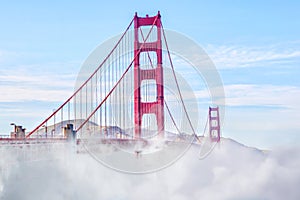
31 86
257 95
232 171
262 95
27 93
234 56
25 84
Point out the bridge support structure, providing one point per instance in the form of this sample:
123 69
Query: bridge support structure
156 73
214 124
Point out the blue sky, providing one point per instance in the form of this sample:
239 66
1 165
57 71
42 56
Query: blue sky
255 45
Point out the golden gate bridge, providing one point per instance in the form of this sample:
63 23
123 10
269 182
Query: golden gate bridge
124 99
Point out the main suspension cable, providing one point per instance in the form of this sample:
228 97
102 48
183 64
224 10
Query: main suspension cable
177 85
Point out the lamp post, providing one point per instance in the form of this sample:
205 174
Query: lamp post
14 134
46 129
53 124
15 126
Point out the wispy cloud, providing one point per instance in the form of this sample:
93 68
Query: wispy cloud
232 56
28 93
26 84
255 95
38 81
262 95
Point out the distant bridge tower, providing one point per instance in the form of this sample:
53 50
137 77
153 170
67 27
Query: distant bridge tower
156 107
214 124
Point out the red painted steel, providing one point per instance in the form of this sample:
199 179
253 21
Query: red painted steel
214 124
157 107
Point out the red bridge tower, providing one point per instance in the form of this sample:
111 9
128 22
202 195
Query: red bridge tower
156 107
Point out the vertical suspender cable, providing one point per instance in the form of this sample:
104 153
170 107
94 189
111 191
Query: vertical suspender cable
100 95
80 103
69 113
86 103
62 118
91 102
75 119
96 98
